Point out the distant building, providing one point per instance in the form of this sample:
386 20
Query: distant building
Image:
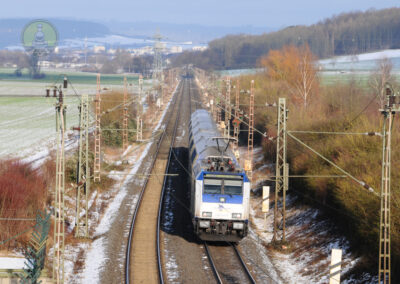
99 49
141 51
199 48
44 64
176 49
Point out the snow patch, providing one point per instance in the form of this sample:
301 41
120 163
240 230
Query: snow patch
12 263
96 256
388 53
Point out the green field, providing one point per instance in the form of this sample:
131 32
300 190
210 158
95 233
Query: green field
28 123
332 78
8 74
27 118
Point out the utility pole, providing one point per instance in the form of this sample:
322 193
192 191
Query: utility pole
59 210
282 170
82 198
139 134
392 106
97 134
251 134
125 118
236 122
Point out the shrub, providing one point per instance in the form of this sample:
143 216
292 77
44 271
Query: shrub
22 194
112 120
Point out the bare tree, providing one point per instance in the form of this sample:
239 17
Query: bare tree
295 67
381 75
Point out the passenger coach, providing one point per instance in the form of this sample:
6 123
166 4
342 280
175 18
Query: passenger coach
220 189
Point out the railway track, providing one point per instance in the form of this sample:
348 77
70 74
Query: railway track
225 260
143 261
227 264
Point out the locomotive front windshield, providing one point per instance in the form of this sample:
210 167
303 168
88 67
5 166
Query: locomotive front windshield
223 186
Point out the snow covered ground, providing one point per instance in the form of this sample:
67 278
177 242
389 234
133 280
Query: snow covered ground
93 254
27 123
12 263
96 255
311 237
362 62
27 118
388 53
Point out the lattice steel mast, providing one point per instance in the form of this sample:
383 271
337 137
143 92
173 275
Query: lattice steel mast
82 198
251 133
281 180
125 118
157 64
236 124
59 210
97 134
228 107
139 125
392 106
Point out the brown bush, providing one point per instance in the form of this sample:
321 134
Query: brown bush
343 107
22 194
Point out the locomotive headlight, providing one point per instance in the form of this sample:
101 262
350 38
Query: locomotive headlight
206 214
204 224
236 215
237 226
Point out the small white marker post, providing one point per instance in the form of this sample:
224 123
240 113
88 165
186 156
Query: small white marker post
265 204
334 268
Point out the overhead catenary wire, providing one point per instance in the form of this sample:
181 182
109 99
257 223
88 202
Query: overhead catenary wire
244 122
17 219
336 133
362 111
362 183
15 236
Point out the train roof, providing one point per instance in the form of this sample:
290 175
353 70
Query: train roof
208 140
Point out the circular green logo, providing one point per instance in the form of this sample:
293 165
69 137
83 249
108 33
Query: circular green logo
39 36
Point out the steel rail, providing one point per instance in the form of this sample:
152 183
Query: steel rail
160 205
240 258
213 267
209 256
252 280
129 245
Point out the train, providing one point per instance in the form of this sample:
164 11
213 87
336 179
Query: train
220 189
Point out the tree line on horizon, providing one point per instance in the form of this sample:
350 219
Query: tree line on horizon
344 34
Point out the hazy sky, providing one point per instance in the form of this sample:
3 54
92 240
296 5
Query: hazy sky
261 13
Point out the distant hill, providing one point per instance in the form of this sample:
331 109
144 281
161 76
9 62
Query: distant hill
345 34
10 29
180 32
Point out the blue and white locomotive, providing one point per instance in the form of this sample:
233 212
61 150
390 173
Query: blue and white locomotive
220 189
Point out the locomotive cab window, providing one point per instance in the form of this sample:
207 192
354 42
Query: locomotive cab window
233 187
221 186
212 186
